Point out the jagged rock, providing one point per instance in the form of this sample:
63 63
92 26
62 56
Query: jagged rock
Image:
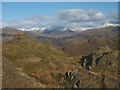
18 38
104 57
100 70
103 50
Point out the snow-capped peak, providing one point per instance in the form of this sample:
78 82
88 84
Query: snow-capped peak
36 29
108 24
44 28
81 28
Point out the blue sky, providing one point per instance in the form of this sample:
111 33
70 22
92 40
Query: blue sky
49 12
19 10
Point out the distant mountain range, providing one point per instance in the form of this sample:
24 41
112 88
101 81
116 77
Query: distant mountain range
62 34
44 29
69 41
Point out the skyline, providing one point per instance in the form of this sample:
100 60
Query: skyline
60 0
63 13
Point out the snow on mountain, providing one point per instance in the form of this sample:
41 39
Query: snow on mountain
108 24
48 28
36 29
80 29
41 29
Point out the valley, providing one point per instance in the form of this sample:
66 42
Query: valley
61 59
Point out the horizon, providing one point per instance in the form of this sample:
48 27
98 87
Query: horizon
66 14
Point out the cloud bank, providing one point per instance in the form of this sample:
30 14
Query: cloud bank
68 18
33 20
79 17
112 17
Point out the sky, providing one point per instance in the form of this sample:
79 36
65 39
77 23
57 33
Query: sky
60 0
74 14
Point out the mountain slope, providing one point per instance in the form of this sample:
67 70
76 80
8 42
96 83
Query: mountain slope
95 64
61 38
36 59
106 32
13 78
85 47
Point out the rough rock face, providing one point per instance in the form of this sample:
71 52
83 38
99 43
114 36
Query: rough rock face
104 60
18 38
87 79
99 70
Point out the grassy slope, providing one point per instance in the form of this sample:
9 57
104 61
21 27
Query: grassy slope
13 78
85 47
37 59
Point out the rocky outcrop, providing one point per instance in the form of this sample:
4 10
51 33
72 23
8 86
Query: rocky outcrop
18 38
99 70
83 78
104 60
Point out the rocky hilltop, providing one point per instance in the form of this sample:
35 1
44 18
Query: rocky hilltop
97 70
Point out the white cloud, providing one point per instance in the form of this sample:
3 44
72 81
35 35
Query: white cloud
40 18
3 24
79 17
29 21
112 17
